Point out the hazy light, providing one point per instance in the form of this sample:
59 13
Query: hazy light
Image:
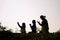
12 11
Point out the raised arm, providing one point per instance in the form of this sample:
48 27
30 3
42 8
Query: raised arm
30 26
39 23
18 24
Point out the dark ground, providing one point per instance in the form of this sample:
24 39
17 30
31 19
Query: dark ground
5 35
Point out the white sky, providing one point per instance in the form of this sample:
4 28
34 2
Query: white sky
12 11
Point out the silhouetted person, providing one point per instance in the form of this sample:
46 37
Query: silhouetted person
22 27
33 27
44 24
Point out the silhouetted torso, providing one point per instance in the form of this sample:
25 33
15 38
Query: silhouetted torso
33 27
44 24
22 27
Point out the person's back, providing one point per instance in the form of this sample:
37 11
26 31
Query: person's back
44 24
33 27
22 27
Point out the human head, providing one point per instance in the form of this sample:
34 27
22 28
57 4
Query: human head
33 21
42 17
23 24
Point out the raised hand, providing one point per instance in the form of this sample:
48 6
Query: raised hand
38 22
30 24
17 22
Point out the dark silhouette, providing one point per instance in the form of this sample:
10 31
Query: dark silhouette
44 24
33 27
8 35
5 34
22 27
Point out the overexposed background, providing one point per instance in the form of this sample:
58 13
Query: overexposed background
12 11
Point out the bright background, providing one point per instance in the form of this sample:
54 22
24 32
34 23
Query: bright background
12 11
